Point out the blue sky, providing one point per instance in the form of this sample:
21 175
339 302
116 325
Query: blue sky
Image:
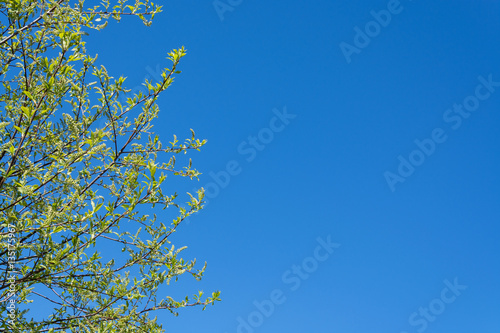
357 190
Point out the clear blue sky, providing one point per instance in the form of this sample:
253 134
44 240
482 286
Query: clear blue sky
369 147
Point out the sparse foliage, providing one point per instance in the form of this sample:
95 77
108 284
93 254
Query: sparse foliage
80 172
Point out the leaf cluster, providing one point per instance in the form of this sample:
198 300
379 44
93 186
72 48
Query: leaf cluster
79 171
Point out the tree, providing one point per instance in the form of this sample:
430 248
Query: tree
80 170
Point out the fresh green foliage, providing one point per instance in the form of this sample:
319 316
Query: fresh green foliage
78 171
